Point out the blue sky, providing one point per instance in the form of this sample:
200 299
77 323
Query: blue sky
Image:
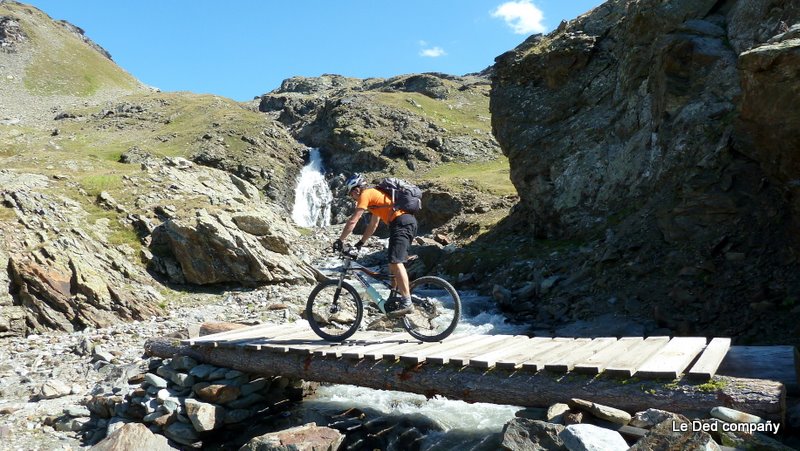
244 48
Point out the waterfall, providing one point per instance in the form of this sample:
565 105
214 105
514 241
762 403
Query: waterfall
312 197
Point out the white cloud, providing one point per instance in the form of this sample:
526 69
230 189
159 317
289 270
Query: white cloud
522 16
433 52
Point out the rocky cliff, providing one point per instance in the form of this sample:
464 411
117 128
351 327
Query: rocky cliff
656 142
417 126
103 213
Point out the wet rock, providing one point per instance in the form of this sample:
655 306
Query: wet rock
651 417
600 411
744 440
524 434
182 433
587 437
734 416
556 412
668 435
308 437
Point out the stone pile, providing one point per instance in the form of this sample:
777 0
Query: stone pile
584 425
185 401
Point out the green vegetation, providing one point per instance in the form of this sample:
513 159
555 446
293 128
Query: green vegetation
70 67
95 184
467 113
713 385
123 235
7 214
488 176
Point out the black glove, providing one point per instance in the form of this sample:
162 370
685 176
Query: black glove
359 245
338 245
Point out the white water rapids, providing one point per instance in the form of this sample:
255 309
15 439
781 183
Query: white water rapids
463 425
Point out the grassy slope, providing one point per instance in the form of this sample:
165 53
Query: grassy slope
61 63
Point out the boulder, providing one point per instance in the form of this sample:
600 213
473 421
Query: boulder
204 416
675 434
588 437
308 437
133 437
210 248
525 434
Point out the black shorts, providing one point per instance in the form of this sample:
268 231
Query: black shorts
401 231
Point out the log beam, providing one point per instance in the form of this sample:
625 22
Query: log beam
764 398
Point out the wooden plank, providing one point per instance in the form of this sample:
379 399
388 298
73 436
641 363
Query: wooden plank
245 331
482 347
284 343
421 355
671 360
538 361
364 339
389 352
261 330
373 351
536 345
442 356
566 363
420 350
286 330
626 364
596 363
411 346
706 366
489 359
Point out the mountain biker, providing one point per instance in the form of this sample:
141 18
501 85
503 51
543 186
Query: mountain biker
402 229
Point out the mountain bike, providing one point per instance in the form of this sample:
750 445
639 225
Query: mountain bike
335 309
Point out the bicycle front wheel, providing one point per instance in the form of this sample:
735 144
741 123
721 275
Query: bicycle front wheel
436 312
334 313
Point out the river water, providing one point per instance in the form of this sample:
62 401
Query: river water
447 424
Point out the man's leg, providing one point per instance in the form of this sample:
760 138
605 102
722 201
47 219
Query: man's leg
401 232
400 278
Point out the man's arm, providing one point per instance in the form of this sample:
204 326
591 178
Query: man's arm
351 224
373 224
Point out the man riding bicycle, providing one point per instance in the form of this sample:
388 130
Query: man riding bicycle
402 229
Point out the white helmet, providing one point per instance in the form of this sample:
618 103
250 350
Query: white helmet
356 180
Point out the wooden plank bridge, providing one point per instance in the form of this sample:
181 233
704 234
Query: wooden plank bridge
629 372
652 357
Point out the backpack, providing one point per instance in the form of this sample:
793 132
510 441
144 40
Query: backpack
405 196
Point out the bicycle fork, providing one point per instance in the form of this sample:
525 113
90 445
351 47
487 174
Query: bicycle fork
335 305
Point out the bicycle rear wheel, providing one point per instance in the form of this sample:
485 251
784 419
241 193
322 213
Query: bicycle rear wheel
334 313
436 312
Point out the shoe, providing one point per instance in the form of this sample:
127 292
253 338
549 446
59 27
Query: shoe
404 308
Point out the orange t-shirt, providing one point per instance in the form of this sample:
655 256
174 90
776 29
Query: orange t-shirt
379 204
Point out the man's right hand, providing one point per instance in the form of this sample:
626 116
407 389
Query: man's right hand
338 245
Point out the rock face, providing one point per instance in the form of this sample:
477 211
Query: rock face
662 132
400 126
216 248
612 126
62 276
370 124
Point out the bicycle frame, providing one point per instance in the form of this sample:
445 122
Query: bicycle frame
357 270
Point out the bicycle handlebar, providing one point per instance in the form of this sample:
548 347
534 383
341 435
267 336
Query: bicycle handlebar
349 251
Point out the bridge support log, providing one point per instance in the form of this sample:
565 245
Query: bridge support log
764 398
